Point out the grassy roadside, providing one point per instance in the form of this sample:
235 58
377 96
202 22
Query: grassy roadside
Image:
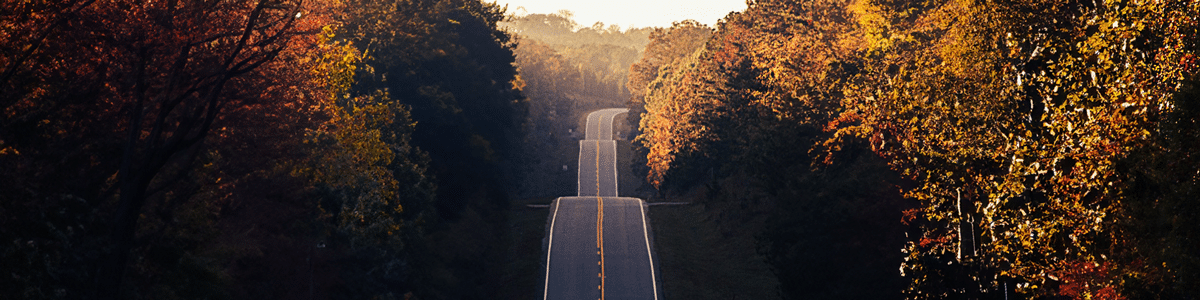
703 250
707 252
522 278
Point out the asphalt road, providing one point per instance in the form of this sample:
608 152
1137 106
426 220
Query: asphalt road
613 263
597 168
598 244
599 123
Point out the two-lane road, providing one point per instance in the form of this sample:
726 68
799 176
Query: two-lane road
597 168
599 123
598 155
612 263
598 244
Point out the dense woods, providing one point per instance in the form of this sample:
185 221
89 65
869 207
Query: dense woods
252 149
1035 148
873 149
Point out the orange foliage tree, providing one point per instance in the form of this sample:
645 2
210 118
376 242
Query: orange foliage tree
1013 119
155 78
662 84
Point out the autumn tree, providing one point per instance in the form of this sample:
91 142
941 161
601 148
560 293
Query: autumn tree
372 183
1162 209
452 65
666 46
1017 122
667 68
1012 122
198 149
150 80
174 110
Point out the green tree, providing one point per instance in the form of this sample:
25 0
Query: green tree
449 62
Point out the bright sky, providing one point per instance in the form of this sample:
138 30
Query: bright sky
631 13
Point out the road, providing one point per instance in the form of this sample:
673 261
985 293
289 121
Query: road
598 243
597 168
599 123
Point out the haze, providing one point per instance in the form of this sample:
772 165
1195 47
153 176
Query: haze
631 13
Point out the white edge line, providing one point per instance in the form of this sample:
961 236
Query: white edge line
612 119
608 132
616 185
587 126
645 235
546 289
579 172
599 124
611 136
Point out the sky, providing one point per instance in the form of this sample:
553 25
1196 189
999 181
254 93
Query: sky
631 13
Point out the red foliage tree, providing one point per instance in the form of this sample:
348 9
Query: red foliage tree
161 74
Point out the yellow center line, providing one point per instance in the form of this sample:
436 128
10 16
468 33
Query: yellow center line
599 221
600 233
597 168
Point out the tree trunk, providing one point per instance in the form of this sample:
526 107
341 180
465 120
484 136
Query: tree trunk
112 269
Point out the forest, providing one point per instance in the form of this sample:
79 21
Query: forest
952 149
385 149
286 149
253 149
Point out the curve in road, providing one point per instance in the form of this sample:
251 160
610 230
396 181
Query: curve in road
599 123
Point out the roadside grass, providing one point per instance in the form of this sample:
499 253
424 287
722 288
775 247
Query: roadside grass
523 269
630 184
706 251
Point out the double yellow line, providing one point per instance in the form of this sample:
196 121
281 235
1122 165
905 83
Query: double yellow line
600 240
599 222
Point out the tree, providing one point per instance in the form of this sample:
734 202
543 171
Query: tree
1012 121
161 72
178 90
1015 120
665 47
659 83
451 64
363 158
745 112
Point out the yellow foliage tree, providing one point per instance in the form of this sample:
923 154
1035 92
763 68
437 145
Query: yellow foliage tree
1011 116
356 152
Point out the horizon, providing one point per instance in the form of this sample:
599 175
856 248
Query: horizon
650 14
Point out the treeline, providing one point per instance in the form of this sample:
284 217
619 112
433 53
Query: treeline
255 149
562 63
1038 149
566 71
